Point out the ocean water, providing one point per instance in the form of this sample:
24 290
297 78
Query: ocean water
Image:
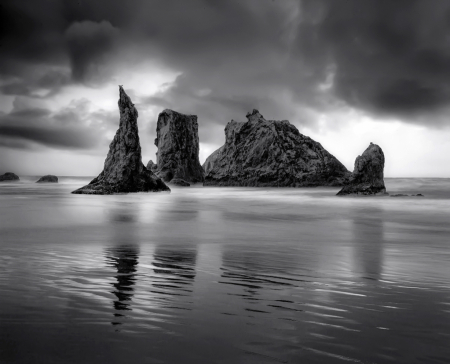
224 275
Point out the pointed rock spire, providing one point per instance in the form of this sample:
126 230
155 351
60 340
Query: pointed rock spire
123 170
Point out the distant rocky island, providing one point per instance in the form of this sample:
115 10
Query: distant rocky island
178 148
404 195
9 176
368 175
123 169
270 153
48 179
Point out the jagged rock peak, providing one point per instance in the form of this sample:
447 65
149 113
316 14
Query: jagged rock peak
170 111
123 169
368 175
125 104
254 115
231 129
262 152
178 147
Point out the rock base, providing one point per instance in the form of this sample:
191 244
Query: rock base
364 190
403 195
144 182
179 182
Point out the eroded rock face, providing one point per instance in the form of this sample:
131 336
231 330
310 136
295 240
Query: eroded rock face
271 153
9 176
178 147
211 160
123 170
368 175
48 178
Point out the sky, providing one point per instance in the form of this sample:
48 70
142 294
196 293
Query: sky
344 72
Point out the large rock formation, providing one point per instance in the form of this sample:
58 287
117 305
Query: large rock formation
272 153
367 177
178 147
8 176
48 178
123 170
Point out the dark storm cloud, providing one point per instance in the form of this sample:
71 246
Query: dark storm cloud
390 56
89 45
37 85
215 109
69 128
181 95
49 136
283 57
30 32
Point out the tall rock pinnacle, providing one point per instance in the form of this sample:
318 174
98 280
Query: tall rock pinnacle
178 147
270 153
368 175
123 169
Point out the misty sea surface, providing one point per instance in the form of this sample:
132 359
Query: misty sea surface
224 275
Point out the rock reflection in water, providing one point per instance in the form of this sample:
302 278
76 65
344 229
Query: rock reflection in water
125 260
368 237
123 213
123 256
181 208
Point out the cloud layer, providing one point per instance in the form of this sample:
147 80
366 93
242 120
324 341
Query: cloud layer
297 60
73 127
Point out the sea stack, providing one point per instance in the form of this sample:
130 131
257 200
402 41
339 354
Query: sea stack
48 179
368 175
123 170
178 148
9 176
271 153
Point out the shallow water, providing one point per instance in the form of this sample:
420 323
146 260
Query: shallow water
224 275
